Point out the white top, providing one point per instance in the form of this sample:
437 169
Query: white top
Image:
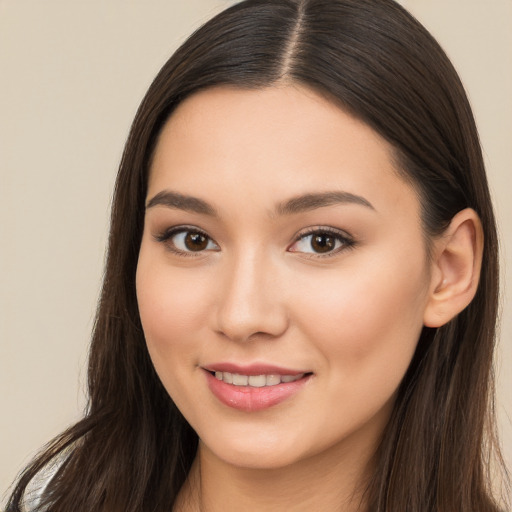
35 489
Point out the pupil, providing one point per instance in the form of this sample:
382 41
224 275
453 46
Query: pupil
323 243
196 241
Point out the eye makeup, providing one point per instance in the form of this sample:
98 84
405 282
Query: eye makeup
321 241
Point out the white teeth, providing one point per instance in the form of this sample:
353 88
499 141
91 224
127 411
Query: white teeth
256 381
272 380
240 380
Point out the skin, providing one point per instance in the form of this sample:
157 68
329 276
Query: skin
260 293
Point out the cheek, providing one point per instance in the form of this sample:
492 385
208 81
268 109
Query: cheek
173 321
366 329
172 311
366 322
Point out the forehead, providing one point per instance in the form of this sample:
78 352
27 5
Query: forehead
274 142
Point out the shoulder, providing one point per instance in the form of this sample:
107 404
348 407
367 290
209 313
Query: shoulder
37 487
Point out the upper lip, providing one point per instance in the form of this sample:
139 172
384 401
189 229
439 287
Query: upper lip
252 369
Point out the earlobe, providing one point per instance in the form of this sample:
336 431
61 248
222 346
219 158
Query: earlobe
456 264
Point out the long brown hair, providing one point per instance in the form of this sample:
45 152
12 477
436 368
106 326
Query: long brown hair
133 449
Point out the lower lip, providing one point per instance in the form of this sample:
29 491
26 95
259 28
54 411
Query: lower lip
250 399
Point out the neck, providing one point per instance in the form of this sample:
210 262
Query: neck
331 481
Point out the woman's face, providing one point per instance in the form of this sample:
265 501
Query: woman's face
282 276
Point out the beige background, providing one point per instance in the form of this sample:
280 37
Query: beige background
71 76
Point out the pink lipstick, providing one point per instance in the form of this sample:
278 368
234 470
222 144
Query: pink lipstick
254 387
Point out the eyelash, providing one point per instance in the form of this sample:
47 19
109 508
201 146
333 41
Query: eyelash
166 236
345 240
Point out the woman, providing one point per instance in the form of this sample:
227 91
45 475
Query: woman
295 313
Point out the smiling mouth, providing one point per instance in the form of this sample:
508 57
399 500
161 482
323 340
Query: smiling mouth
254 387
255 381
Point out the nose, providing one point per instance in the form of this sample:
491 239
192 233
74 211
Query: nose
251 301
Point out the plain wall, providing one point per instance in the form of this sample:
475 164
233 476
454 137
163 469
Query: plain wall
72 74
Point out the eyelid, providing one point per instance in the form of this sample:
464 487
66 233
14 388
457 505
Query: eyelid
165 236
346 239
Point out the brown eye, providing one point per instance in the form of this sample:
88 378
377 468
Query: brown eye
195 241
323 242
185 241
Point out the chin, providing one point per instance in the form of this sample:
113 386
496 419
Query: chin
255 452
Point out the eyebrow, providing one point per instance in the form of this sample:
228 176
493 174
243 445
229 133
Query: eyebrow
292 206
308 202
181 202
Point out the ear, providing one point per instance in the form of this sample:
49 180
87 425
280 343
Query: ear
455 270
